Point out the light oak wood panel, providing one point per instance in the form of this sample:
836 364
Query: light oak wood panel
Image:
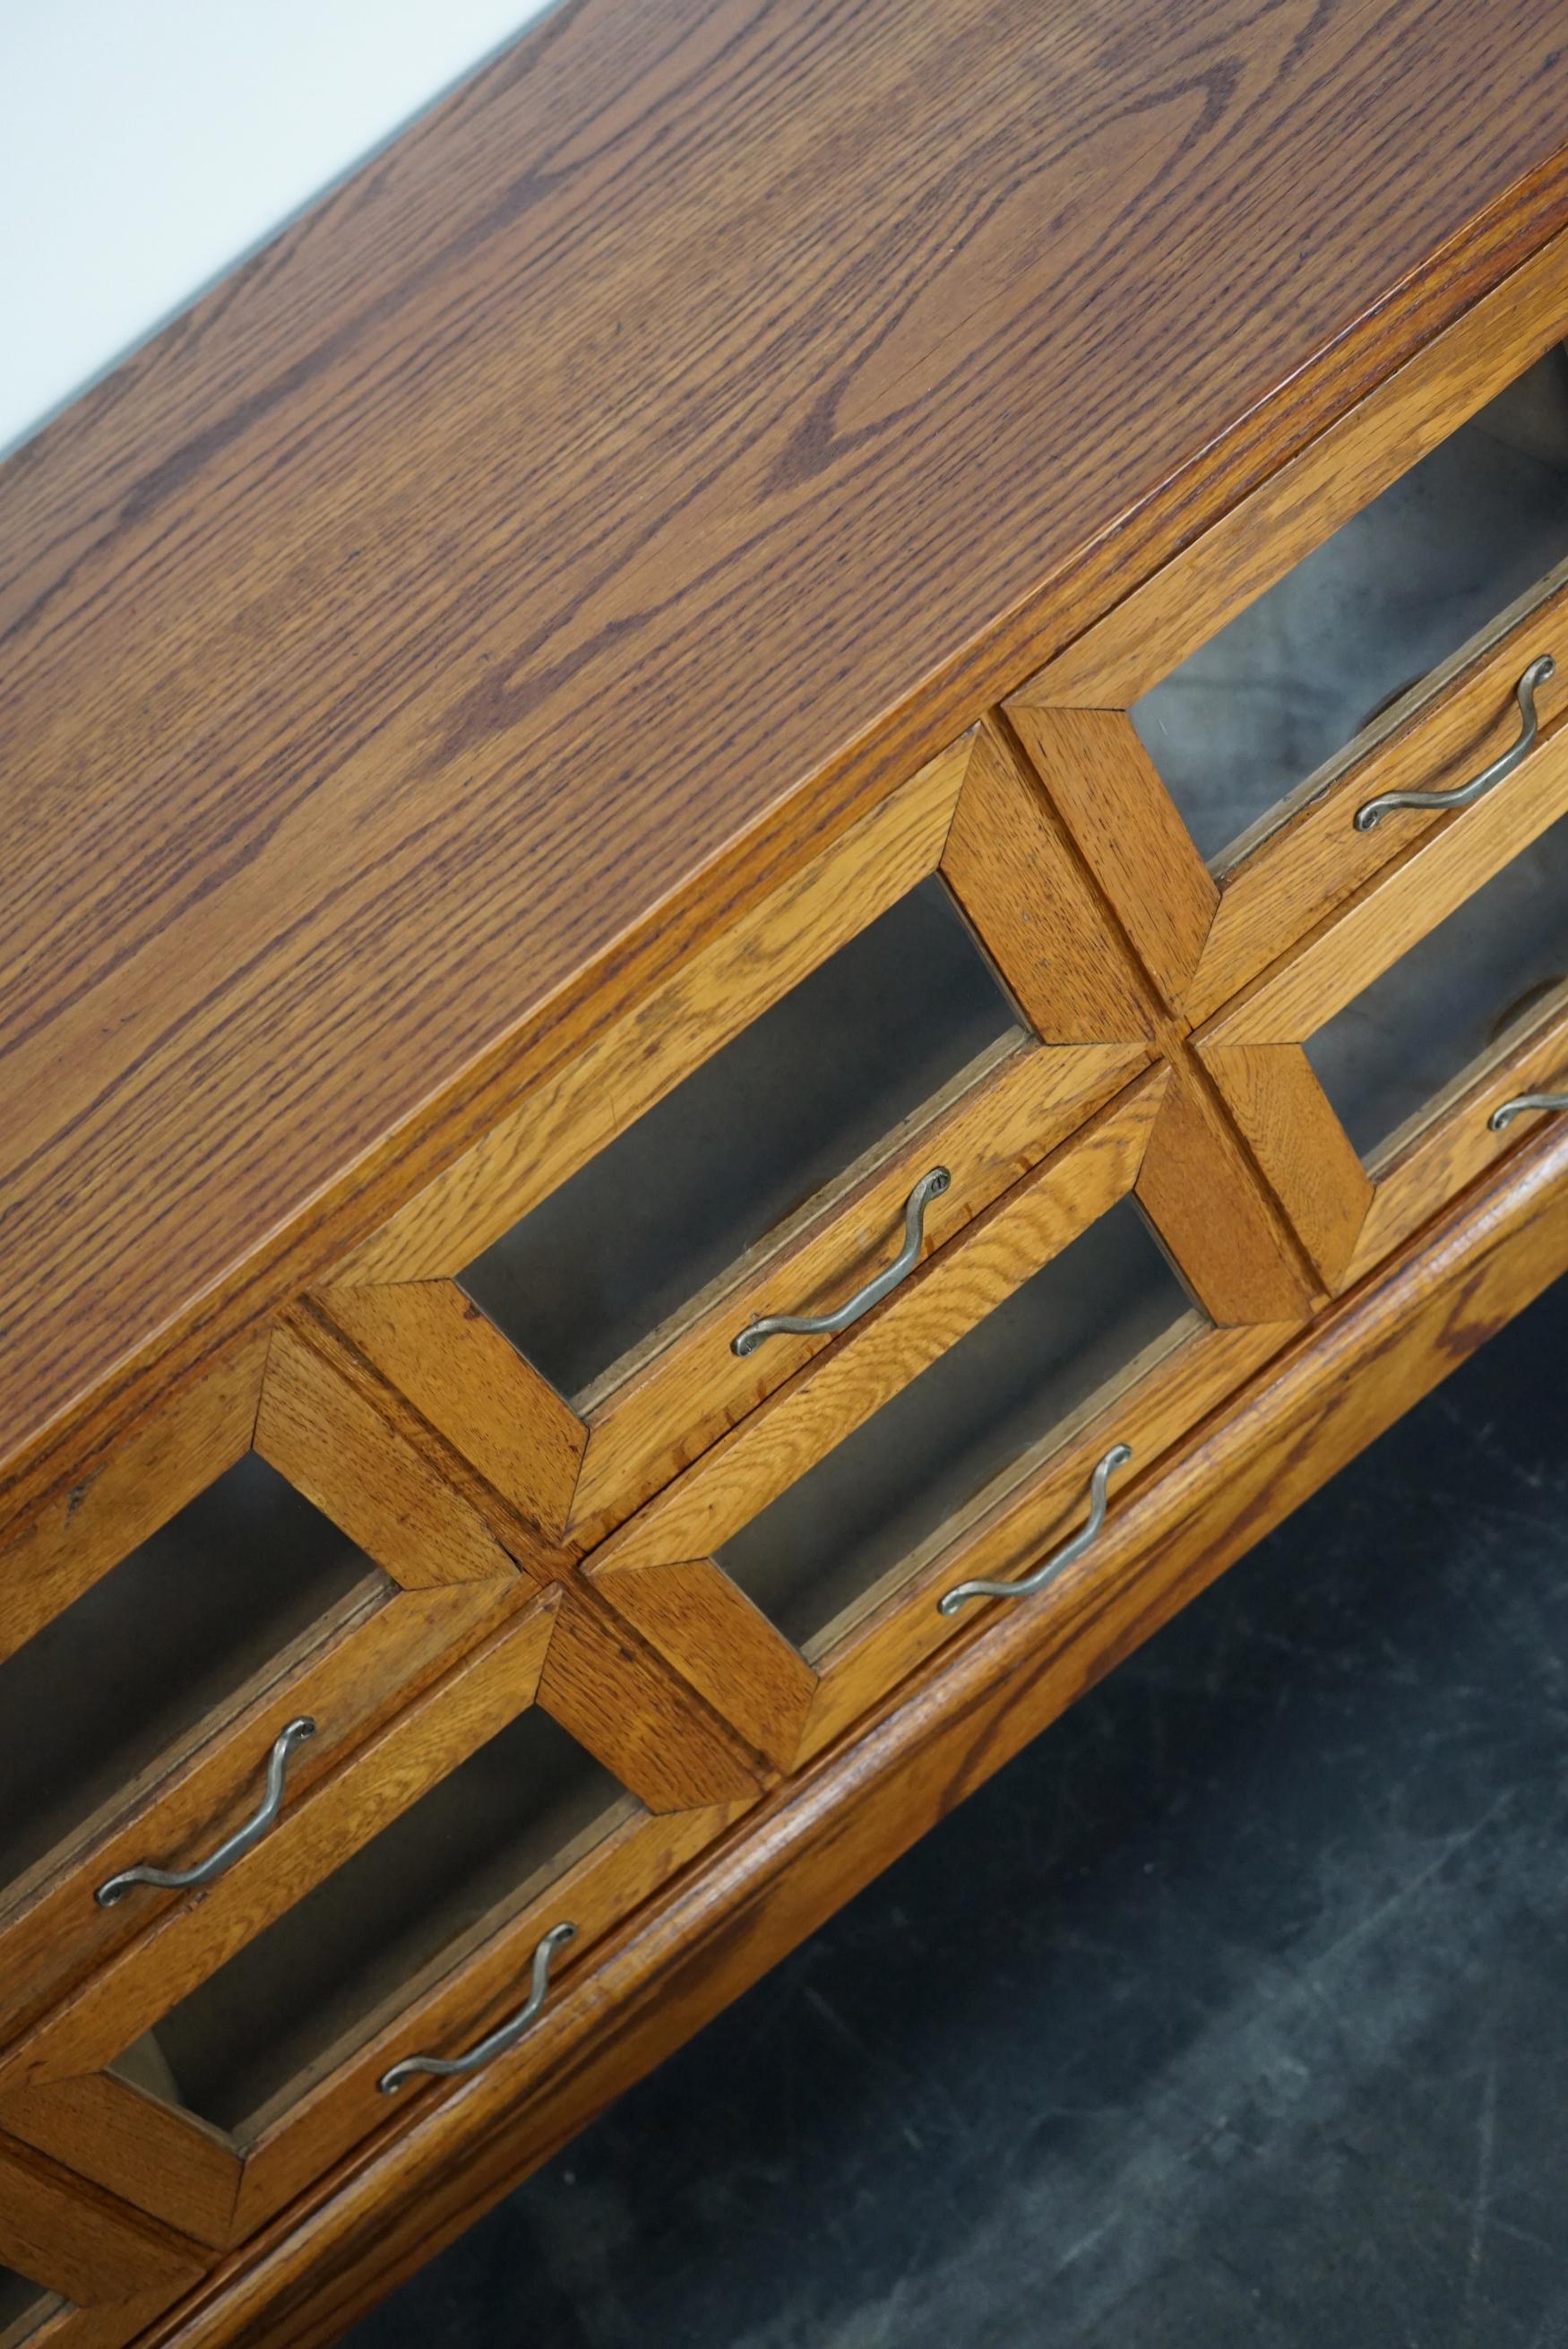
1223 1230
816 1842
1012 869
1152 630
1102 779
641 1056
1306 1153
437 1347
138 2147
328 1438
723 1645
1308 857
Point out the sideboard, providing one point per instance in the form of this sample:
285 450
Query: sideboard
787 882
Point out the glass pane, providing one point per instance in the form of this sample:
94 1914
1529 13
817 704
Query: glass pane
476 1845
1445 1003
23 2307
976 1411
1394 592
748 1137
140 1658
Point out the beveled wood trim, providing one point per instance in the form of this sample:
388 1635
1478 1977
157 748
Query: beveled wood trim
1152 630
159 2159
1221 1228
1272 1092
324 1433
643 1053
1012 869
1097 772
819 1840
435 1346
710 1632
1399 904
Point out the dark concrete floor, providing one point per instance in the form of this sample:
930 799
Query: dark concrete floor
1235 2010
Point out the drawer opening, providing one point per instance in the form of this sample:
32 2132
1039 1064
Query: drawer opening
472 1852
1495 967
221 1597
24 2307
785 1107
1396 591
988 1412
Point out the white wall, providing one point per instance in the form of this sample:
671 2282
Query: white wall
145 145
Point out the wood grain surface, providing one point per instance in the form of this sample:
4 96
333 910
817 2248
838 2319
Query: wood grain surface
597 501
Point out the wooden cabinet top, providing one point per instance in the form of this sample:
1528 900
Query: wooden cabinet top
669 442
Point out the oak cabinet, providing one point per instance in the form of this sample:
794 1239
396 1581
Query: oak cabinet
788 909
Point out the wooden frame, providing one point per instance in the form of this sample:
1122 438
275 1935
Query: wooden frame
56 2091
1348 1215
1205 933
114 2272
568 1471
1156 1140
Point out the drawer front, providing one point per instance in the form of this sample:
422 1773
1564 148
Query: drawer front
223 2060
1252 724
78 2270
265 1552
940 990
1385 1064
792 1574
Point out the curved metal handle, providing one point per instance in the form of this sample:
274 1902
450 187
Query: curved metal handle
1510 1109
1489 777
816 1325
1069 1555
506 2036
242 1840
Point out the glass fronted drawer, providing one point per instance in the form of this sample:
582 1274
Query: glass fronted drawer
1391 1060
198 1631
1312 692
794 1574
233 2053
838 1083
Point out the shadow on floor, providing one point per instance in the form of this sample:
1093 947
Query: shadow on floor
1234 2010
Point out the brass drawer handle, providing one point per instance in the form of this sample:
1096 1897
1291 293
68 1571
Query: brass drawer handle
1466 794
1069 1555
1510 1109
506 2036
817 1324
242 1840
